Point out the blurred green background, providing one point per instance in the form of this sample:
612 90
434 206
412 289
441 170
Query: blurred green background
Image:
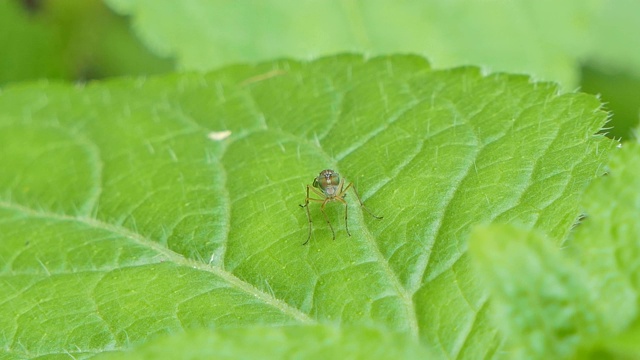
591 46
70 40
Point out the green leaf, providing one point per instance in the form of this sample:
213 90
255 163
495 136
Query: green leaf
300 342
135 208
581 301
544 305
547 39
606 242
607 246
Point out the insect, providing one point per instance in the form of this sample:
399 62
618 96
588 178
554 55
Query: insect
330 187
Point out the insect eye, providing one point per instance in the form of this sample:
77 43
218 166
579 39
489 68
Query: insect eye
335 179
315 183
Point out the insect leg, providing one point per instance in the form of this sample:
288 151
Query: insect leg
327 218
359 200
306 205
346 223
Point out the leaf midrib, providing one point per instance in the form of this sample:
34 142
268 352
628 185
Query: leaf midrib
169 255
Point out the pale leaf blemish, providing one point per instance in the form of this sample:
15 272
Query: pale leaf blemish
150 147
262 77
219 135
173 155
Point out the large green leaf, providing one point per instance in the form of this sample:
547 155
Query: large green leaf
299 342
127 212
544 304
580 302
546 38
